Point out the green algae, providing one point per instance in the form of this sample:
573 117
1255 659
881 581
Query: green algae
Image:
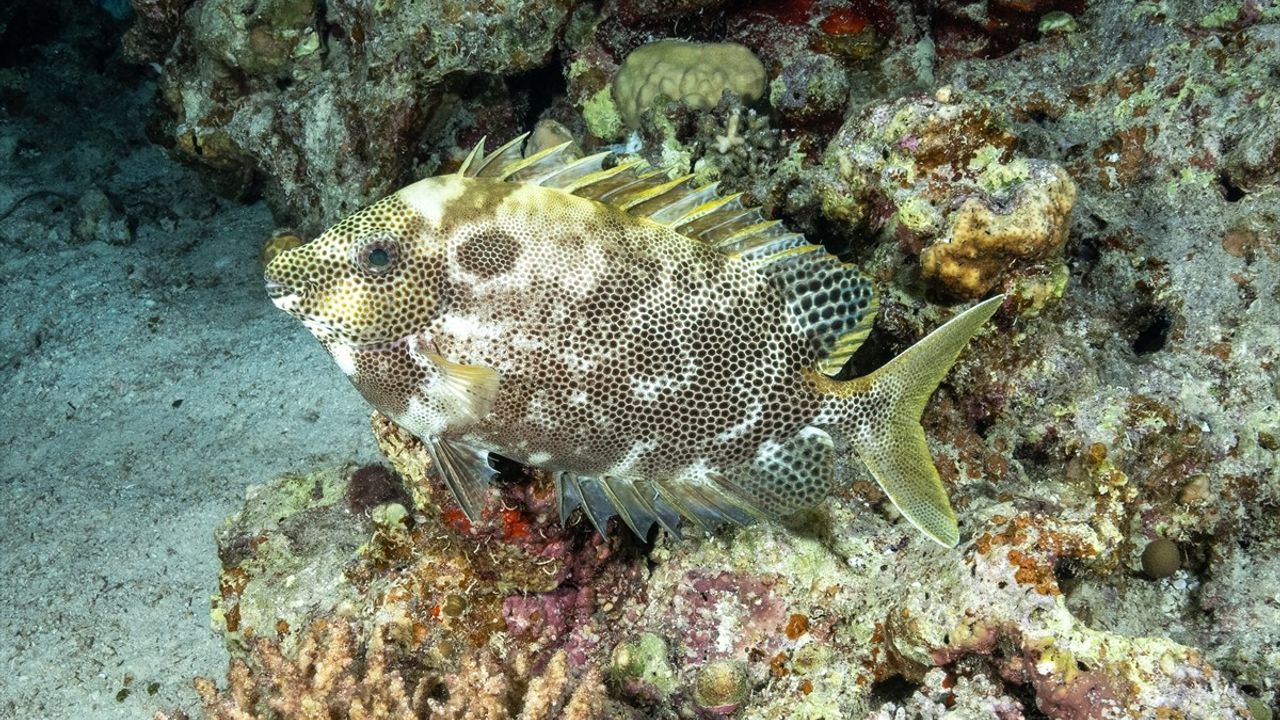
645 659
601 116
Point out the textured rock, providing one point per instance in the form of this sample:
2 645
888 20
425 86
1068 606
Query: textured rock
331 105
985 238
945 179
1129 395
764 619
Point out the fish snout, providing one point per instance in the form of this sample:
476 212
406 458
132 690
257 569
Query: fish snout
283 280
283 292
277 289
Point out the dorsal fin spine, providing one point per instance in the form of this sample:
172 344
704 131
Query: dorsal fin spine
701 211
654 193
640 179
512 147
560 177
686 202
746 233
513 169
598 176
477 151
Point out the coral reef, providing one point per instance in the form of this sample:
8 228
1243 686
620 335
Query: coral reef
1111 451
324 103
517 617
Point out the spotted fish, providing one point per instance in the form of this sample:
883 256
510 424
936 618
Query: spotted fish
665 351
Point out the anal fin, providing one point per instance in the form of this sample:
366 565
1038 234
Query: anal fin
596 505
709 503
465 470
637 502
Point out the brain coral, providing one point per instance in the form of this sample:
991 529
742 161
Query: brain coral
696 74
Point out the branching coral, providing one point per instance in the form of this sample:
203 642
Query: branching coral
332 674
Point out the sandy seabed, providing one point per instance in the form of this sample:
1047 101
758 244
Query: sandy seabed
145 381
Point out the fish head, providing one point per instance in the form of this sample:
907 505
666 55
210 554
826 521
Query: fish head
373 278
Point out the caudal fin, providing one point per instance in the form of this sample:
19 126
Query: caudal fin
893 444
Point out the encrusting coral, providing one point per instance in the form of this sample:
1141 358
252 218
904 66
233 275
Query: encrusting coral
944 178
986 237
516 617
1130 398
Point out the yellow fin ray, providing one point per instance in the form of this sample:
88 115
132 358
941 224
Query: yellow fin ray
659 196
476 153
473 388
682 208
495 162
567 176
538 164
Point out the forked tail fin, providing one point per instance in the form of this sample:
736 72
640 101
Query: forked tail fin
886 407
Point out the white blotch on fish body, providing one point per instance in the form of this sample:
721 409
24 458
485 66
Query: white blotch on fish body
430 197
574 361
345 359
638 451
648 389
579 279
753 415
463 328
525 341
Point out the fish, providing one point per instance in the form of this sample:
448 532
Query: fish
669 354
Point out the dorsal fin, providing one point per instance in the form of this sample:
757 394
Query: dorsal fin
833 302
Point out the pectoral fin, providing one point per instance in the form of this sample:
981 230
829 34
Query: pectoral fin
469 390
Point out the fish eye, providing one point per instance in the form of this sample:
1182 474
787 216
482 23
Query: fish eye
377 255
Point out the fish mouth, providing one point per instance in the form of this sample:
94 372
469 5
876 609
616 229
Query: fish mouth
283 297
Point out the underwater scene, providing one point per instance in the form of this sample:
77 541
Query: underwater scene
639 359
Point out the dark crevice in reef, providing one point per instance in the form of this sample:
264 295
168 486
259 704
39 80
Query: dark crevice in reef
1153 332
1230 191
1026 695
24 27
539 89
894 689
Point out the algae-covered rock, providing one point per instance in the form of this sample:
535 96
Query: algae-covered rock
985 238
329 105
763 619
944 178
644 662
1129 395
